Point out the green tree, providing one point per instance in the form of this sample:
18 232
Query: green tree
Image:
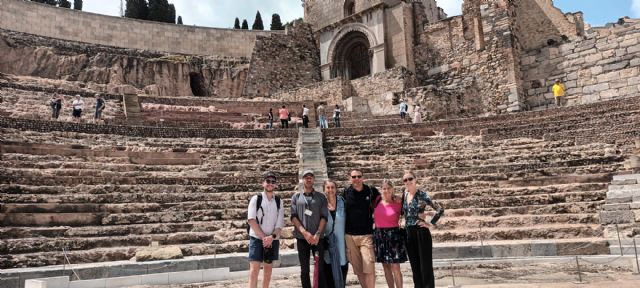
158 10
137 9
64 3
180 20
257 24
77 4
236 24
245 25
276 23
171 15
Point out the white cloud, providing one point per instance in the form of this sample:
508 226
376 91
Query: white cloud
451 7
635 8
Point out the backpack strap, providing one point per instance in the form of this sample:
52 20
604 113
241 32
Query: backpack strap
401 209
259 207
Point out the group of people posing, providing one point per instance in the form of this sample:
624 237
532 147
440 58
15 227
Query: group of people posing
285 117
77 105
360 226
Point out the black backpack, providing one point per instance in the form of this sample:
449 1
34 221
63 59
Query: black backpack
259 207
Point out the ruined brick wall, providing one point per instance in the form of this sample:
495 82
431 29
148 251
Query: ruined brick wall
118 70
538 22
260 107
378 89
330 91
68 24
601 68
282 62
450 55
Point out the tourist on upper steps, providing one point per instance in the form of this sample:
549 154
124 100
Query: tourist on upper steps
335 257
359 228
336 116
403 109
322 118
558 92
417 114
56 105
283 113
77 106
270 115
266 220
305 116
309 214
100 105
389 239
419 241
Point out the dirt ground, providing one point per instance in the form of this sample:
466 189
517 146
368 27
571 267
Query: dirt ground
503 275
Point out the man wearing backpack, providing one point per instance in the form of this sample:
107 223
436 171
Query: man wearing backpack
359 199
266 220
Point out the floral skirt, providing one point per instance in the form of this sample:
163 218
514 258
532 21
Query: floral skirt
390 245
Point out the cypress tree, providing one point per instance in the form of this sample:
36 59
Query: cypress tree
137 9
64 3
171 15
77 4
236 24
245 25
180 20
276 23
257 24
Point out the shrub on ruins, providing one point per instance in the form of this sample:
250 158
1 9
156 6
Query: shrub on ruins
257 24
236 24
137 9
77 4
276 23
179 20
64 3
245 25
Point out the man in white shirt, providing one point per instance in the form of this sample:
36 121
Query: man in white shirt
77 105
266 220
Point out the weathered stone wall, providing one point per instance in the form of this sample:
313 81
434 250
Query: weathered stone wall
68 24
538 22
321 13
603 67
378 89
454 53
282 62
254 107
330 91
117 70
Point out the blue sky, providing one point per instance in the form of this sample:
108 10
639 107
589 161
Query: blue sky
221 13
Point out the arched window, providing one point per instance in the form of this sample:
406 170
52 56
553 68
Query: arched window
349 7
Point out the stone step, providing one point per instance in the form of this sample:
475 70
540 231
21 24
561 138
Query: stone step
520 191
554 231
484 202
45 192
475 222
28 178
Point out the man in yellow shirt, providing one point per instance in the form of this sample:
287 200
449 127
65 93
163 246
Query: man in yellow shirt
558 92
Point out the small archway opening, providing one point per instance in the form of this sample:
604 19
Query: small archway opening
196 81
352 58
349 7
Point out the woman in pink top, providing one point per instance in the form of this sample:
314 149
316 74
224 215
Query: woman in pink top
283 114
389 240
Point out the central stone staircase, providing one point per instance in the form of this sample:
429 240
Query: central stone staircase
311 154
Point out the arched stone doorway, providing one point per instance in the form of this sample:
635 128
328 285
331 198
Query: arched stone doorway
352 58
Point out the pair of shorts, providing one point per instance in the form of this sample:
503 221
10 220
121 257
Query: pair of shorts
256 250
360 253
77 113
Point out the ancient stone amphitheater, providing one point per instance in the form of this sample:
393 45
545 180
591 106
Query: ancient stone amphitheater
183 143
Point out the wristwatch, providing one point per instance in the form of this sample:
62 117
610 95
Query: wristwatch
274 236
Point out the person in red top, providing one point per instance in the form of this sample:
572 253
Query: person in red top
284 117
389 240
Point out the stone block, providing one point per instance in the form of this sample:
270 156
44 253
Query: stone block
607 77
155 279
629 90
634 62
608 94
628 199
593 58
31 283
629 42
636 215
544 249
214 274
595 88
572 76
629 72
616 217
624 181
634 205
95 283
122 281
572 84
615 207
616 66
619 83
596 70
185 277
633 49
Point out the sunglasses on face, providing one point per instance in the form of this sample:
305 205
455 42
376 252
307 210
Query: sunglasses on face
269 181
356 176
408 179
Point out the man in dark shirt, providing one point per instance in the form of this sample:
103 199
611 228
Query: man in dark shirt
359 228
309 214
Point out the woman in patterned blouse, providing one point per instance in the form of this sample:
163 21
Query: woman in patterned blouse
419 243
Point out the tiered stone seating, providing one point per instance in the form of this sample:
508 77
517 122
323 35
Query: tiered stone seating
102 196
32 102
515 190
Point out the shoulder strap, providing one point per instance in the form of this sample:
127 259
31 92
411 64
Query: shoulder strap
401 207
278 202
